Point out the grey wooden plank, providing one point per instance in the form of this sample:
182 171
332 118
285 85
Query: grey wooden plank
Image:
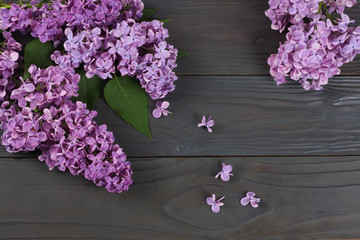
226 37
302 198
253 117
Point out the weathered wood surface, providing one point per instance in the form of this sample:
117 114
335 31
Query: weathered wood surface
229 37
269 134
302 198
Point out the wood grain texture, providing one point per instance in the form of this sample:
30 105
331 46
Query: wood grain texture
253 117
231 37
302 198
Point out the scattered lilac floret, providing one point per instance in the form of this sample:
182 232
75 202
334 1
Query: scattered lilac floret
225 172
161 109
209 123
215 204
250 198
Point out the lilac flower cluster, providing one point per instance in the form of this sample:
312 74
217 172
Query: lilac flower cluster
9 63
78 144
45 21
104 37
36 113
283 12
134 49
317 44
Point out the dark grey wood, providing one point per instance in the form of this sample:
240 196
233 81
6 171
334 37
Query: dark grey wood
302 198
253 117
226 37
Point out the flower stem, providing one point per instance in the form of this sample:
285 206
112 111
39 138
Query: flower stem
322 7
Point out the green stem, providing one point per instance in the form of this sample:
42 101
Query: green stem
320 7
16 82
332 18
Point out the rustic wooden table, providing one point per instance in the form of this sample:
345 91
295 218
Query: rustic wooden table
299 151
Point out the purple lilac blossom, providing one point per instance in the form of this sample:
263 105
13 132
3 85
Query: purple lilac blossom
225 173
215 204
208 123
161 109
104 37
250 198
135 49
317 44
46 22
78 144
10 62
41 116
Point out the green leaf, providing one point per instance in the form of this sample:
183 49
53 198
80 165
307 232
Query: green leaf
182 53
89 89
38 53
165 21
147 14
125 96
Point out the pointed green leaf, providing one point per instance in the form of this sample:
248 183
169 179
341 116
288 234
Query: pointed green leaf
89 89
165 21
147 14
182 53
38 53
125 96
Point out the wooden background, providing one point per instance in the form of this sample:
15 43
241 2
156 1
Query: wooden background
298 150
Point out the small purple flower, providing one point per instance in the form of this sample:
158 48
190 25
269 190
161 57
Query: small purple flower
207 123
161 109
215 204
225 172
250 198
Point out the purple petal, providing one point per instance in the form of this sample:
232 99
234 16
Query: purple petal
250 194
165 112
225 177
210 200
210 123
254 204
227 168
157 113
245 201
158 104
29 87
165 105
215 208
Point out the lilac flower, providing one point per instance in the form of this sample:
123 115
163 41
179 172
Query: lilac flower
207 123
317 44
225 172
215 204
103 37
161 109
250 198
78 144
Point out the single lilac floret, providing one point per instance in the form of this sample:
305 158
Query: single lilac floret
215 204
207 123
161 109
250 198
225 173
